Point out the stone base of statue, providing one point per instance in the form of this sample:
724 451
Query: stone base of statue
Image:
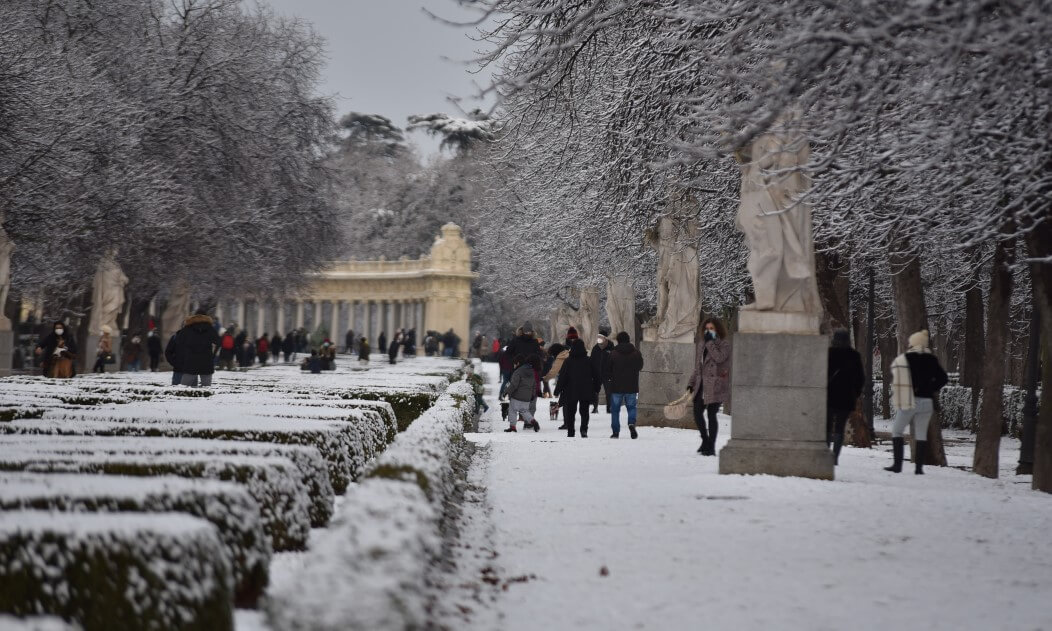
93 343
667 367
7 352
778 386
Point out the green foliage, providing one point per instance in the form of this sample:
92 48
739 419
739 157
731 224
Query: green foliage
407 406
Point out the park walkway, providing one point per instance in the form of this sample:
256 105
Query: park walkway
620 534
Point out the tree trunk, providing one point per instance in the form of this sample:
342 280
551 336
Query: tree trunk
1033 371
1039 246
833 275
912 314
972 358
988 442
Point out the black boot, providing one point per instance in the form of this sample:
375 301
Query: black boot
614 435
632 431
896 452
701 450
918 456
838 442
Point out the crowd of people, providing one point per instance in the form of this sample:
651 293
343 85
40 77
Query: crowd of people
613 367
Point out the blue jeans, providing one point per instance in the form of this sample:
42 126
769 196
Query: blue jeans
629 400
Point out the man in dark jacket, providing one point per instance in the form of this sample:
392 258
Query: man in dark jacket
275 346
288 346
525 344
623 383
600 357
846 379
153 347
577 386
195 349
171 355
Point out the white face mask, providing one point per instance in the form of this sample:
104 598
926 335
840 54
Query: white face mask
59 331
600 339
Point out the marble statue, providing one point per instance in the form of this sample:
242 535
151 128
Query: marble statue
588 316
621 305
679 301
564 316
107 295
7 247
777 223
176 310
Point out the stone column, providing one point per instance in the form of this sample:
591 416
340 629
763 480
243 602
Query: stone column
317 315
241 313
281 317
219 310
367 321
261 316
299 314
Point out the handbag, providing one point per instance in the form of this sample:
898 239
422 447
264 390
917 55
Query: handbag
110 359
678 408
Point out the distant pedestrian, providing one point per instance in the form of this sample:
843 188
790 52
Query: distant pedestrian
600 357
624 367
104 350
711 382
57 351
917 378
392 349
312 363
348 341
846 378
288 346
275 347
521 391
381 342
171 355
153 348
363 351
196 348
133 354
263 349
226 349
327 355
477 345
249 353
577 387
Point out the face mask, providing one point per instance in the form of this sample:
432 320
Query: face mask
598 340
59 331
710 335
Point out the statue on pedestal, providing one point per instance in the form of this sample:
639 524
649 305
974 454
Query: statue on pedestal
776 221
564 316
588 315
621 305
107 294
176 310
679 301
7 248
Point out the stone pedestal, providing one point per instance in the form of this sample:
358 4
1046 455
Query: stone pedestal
667 367
778 383
7 350
90 351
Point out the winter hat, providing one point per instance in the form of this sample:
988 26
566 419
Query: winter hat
605 332
571 334
841 338
527 328
919 339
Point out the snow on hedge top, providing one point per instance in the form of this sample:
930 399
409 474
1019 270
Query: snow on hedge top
35 623
92 524
18 485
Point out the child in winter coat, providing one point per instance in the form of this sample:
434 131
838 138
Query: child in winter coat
521 392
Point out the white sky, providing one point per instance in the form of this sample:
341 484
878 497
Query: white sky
389 57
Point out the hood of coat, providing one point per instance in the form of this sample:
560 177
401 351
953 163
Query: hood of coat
625 348
577 348
198 321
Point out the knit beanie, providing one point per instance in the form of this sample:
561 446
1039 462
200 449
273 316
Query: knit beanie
919 339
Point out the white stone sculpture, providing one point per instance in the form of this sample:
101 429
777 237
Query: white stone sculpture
7 247
176 310
588 316
564 316
776 222
679 301
107 295
621 305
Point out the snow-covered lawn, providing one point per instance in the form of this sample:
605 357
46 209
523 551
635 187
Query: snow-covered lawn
644 534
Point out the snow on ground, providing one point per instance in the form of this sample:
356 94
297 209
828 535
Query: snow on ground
620 534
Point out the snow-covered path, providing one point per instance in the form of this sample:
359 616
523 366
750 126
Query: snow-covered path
620 534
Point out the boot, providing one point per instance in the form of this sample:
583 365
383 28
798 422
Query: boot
511 429
918 457
632 431
584 433
701 450
897 447
838 442
614 435
570 433
563 426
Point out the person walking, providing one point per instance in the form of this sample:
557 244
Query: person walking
711 382
392 348
263 349
153 348
381 342
275 347
917 378
226 349
171 355
104 350
625 364
577 387
195 349
363 351
348 341
522 390
57 351
288 346
133 354
600 356
846 379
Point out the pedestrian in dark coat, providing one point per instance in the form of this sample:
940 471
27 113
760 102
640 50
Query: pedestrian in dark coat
623 378
600 357
711 382
275 347
196 348
577 387
288 346
60 337
392 349
846 378
521 392
240 348
349 341
363 351
153 347
171 355
381 342
524 344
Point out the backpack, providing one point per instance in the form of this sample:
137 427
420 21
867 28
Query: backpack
228 343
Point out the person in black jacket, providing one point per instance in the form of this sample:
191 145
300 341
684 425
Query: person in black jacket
381 342
600 357
275 346
577 387
288 346
917 378
46 348
153 347
195 350
625 364
525 344
846 378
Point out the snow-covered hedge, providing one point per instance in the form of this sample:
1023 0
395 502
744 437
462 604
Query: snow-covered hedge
407 406
227 506
127 572
275 483
368 570
309 461
35 623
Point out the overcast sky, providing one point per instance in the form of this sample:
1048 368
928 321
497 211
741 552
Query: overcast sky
389 57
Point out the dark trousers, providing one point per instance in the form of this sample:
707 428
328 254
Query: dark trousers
570 408
836 422
708 435
154 361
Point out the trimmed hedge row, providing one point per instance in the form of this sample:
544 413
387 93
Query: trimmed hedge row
275 483
132 572
307 459
369 569
227 506
407 406
35 623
